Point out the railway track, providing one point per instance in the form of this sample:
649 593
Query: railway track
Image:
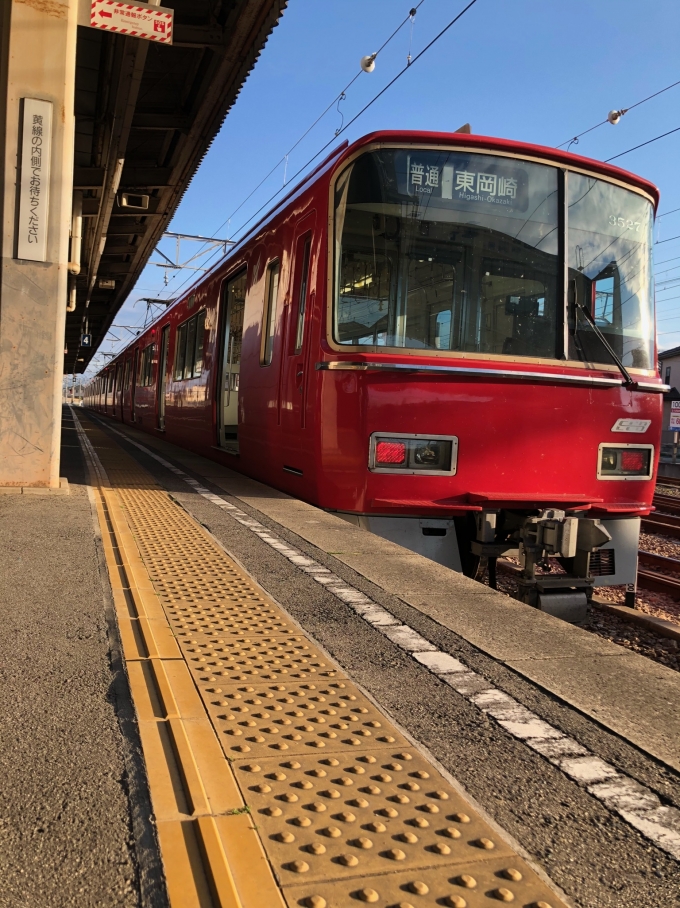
648 578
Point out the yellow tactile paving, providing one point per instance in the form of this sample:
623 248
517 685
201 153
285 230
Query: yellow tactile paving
272 776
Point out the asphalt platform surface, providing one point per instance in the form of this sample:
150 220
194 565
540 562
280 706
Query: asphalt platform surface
75 824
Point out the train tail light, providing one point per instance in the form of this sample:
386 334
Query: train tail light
625 462
390 452
432 454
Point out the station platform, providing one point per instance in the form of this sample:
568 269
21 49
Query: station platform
249 702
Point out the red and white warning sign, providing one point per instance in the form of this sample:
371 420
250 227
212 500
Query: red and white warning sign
139 20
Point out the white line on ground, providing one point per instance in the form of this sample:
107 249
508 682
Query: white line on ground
633 802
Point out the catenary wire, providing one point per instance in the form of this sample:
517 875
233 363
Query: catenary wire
347 125
649 142
319 118
338 97
665 261
626 109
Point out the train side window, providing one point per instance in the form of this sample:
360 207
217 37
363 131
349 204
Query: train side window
269 314
200 343
146 366
152 350
302 299
189 348
180 352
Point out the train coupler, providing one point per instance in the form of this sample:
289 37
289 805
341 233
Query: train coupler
571 540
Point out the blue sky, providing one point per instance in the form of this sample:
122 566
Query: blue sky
532 70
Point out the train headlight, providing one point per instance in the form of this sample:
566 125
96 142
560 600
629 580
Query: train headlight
625 461
399 453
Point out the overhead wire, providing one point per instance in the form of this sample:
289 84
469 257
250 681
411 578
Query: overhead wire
635 148
624 110
665 261
336 100
304 135
350 122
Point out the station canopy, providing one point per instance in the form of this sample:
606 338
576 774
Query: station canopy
146 114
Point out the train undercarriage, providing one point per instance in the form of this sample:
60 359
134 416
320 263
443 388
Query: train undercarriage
558 557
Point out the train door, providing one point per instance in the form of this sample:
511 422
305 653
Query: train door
295 360
233 305
163 375
135 372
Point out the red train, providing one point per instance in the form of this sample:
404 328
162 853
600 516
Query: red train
447 339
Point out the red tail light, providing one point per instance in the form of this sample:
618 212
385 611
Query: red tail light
634 461
390 452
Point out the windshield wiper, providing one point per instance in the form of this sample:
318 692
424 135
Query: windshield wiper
628 380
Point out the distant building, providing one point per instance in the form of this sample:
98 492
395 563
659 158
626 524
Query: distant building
669 367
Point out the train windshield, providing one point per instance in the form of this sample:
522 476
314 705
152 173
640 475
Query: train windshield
610 271
459 251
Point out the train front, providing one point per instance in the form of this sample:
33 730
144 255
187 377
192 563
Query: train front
489 379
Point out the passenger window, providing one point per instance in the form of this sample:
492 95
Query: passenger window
269 320
200 340
189 348
302 300
180 352
146 366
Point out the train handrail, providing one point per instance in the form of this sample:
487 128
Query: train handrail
592 380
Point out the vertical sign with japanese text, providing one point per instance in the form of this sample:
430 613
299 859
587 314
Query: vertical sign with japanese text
34 180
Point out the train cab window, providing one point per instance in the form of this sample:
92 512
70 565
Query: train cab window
302 300
189 347
610 272
447 251
269 314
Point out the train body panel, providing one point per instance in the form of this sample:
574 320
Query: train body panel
530 445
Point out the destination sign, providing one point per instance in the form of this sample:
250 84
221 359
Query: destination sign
473 179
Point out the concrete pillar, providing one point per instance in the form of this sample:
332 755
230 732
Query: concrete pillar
37 60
